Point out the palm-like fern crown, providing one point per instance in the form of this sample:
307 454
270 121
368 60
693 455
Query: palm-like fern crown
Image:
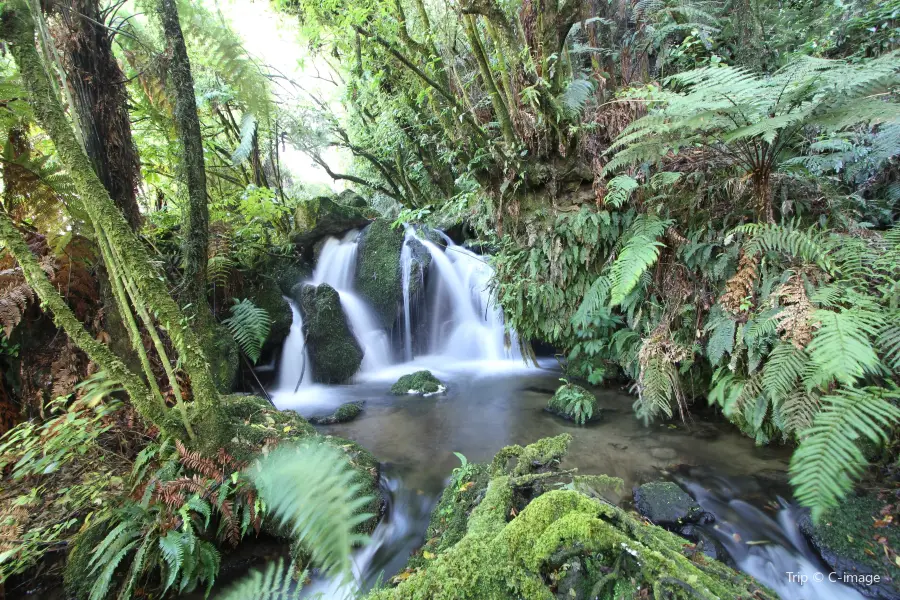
734 110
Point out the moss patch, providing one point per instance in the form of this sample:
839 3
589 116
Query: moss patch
378 277
420 383
345 412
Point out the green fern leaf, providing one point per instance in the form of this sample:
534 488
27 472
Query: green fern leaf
829 459
249 324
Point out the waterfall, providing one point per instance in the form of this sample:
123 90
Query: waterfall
294 355
452 313
465 322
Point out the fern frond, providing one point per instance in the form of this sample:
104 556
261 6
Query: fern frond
829 459
248 132
324 506
638 254
842 348
619 190
249 324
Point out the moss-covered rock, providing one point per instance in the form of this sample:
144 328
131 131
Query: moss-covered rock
574 403
847 539
344 413
257 425
351 198
665 504
334 352
378 277
421 383
521 541
320 217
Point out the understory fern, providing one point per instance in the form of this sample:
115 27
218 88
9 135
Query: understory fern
276 582
249 324
830 458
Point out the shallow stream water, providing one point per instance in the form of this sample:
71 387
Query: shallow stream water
489 405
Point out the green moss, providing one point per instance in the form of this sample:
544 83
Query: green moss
267 295
254 423
420 382
224 357
347 412
507 554
546 452
368 476
334 352
378 277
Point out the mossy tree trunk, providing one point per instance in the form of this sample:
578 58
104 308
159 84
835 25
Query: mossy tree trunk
196 218
97 86
147 290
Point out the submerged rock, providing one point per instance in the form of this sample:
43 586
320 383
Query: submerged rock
344 413
421 383
321 217
574 403
506 530
378 276
334 353
846 539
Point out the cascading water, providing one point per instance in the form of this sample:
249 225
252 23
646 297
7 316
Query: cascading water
777 554
464 320
458 316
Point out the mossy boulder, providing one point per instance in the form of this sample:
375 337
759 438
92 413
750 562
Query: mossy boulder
421 383
321 217
378 277
574 403
847 539
665 504
256 425
334 352
344 413
351 198
522 537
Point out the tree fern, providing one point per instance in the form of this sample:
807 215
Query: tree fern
324 510
248 132
249 324
829 458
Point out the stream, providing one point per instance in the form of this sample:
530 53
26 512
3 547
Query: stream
494 399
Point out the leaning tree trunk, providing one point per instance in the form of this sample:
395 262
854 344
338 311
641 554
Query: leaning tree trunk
97 86
120 246
196 221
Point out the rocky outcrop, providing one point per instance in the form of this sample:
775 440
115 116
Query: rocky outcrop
420 261
321 217
420 383
847 539
334 352
378 277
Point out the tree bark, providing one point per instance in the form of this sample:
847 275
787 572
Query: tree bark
97 86
187 122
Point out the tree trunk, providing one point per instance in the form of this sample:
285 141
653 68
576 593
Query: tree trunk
98 88
196 218
17 28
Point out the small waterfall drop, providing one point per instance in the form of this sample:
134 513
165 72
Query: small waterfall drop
295 358
465 322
